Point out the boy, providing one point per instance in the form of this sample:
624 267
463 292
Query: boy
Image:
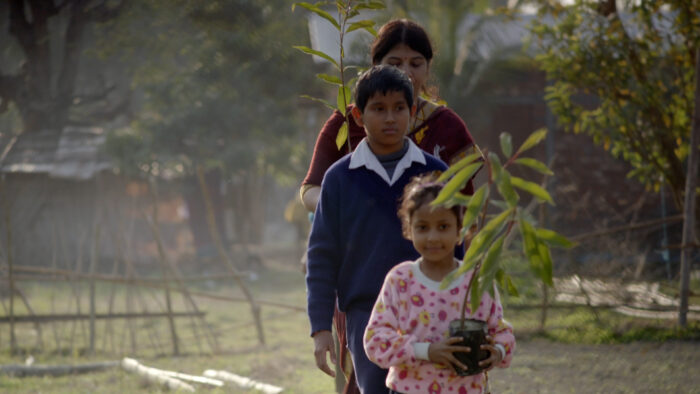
356 235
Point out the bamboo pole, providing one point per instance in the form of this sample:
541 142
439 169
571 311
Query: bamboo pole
19 370
154 375
93 267
213 229
243 382
168 303
10 278
156 285
97 316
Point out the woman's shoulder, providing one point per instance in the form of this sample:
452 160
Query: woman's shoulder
444 115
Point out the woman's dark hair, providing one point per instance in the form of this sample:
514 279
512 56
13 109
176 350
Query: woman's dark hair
401 31
421 190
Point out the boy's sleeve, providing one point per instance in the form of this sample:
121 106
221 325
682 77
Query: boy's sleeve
385 343
323 259
500 330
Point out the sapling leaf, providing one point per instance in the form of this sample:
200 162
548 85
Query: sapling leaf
371 5
475 294
490 265
323 14
506 189
547 264
483 238
506 144
535 165
322 101
552 238
344 99
332 79
317 53
474 206
532 188
510 287
496 166
456 183
532 140
458 166
360 25
342 135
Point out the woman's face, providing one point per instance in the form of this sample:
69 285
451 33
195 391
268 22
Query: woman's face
412 63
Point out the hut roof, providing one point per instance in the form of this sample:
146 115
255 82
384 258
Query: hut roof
73 153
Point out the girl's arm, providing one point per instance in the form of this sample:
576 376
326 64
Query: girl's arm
385 342
501 331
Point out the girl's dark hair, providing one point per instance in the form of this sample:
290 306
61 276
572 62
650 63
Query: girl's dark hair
401 31
421 190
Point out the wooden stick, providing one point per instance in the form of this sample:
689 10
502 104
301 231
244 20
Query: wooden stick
97 316
194 378
243 382
155 375
20 370
10 279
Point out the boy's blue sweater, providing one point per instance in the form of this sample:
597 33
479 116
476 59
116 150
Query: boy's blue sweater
356 238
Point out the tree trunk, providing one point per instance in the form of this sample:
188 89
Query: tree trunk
690 200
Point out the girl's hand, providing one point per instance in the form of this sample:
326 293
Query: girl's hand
442 352
494 355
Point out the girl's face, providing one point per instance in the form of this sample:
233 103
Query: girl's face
412 63
435 233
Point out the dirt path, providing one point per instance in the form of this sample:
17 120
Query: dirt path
543 367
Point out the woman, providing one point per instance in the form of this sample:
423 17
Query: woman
434 128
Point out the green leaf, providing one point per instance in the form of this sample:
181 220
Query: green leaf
535 165
506 144
547 264
323 14
496 166
371 5
476 203
361 25
532 188
534 139
506 189
530 247
490 265
342 135
552 238
344 99
456 167
483 238
317 53
510 287
332 79
475 294
322 101
456 183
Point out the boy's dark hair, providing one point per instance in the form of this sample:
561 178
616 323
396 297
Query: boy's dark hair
421 190
382 78
401 31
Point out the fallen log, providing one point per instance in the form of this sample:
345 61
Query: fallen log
20 370
155 375
243 382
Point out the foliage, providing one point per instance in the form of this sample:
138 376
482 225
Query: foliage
345 23
217 88
625 77
496 230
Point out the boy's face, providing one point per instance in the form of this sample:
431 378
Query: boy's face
385 119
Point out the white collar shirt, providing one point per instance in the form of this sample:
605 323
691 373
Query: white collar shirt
364 157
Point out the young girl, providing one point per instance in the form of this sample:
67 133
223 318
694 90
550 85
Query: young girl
408 331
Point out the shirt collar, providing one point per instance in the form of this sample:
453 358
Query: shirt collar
364 157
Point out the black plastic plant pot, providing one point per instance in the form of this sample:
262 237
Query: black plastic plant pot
473 333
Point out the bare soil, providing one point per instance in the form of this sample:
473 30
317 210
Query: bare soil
541 366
